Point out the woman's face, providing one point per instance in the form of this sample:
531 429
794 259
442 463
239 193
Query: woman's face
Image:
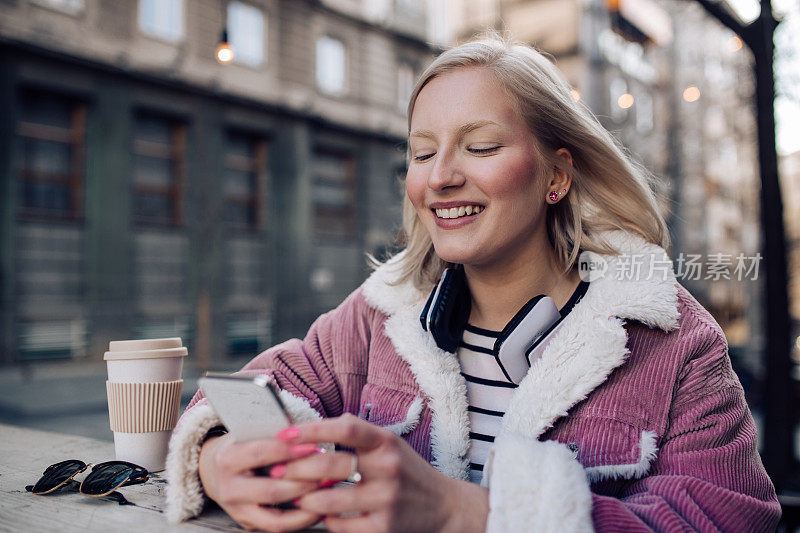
473 172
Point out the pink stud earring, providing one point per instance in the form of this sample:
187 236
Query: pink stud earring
553 196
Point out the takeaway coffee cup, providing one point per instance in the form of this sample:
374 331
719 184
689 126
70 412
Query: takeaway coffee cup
144 391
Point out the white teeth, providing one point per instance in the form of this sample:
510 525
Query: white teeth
456 212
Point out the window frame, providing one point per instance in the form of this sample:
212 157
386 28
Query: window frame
237 57
350 163
175 153
345 87
178 35
257 166
73 178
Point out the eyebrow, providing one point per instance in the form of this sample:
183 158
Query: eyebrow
463 130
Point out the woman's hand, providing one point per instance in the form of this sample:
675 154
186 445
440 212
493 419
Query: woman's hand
226 472
398 491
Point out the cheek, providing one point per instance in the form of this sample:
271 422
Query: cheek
415 188
514 179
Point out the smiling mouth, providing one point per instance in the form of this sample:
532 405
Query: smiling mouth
457 212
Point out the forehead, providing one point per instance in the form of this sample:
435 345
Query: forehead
464 95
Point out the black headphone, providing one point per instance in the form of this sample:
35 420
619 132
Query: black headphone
447 310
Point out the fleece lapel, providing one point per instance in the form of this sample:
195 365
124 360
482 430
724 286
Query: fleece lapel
586 349
437 372
639 284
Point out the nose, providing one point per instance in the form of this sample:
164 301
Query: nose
445 172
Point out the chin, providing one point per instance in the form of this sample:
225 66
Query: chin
452 255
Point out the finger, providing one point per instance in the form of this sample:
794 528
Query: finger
335 465
356 524
242 457
357 499
258 490
346 430
256 517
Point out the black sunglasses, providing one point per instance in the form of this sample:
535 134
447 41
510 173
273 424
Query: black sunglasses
102 480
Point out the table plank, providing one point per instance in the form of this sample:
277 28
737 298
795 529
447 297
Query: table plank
25 453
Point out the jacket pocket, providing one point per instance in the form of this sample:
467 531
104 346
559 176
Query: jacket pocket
397 411
609 448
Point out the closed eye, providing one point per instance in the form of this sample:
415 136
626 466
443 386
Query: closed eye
423 157
480 151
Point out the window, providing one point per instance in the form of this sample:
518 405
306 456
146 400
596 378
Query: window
331 64
334 194
246 33
159 148
162 18
405 84
245 177
52 137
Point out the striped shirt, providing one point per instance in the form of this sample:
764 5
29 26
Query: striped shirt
488 390
488 394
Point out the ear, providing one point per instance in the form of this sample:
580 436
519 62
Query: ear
561 180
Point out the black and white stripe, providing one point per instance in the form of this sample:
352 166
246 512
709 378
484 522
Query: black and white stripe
488 394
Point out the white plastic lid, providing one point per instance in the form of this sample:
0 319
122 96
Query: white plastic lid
144 344
145 349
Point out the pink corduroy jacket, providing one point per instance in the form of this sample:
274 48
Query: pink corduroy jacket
631 420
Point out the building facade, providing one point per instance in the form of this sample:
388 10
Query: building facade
150 191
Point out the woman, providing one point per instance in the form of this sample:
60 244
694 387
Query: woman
629 417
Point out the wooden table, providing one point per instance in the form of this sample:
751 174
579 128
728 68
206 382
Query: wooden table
25 453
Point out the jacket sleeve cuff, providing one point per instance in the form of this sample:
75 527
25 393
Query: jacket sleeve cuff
185 496
536 486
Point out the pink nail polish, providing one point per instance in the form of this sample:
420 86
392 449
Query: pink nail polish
277 471
327 483
301 450
288 434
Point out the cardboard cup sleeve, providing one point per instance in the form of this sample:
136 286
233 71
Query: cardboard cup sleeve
144 407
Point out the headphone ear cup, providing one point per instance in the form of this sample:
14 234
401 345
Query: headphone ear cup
449 311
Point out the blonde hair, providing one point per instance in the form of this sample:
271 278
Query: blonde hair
609 191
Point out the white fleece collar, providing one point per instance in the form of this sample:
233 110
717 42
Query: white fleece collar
639 284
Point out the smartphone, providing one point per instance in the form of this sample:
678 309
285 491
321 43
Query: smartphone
250 407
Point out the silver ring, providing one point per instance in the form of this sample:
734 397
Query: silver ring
355 475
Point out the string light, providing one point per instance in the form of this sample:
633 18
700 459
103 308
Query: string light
691 94
224 50
625 101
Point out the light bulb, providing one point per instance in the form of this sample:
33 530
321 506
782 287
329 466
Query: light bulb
625 101
224 53
691 94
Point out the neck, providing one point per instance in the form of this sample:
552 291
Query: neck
499 291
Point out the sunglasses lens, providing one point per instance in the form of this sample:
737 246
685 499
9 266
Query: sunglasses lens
57 474
105 478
